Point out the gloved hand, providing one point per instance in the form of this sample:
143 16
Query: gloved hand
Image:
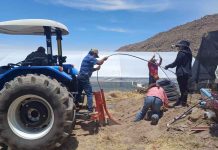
98 68
166 67
164 109
105 58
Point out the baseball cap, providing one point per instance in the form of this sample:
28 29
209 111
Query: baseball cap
95 51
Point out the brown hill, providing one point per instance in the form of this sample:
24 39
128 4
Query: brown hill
193 31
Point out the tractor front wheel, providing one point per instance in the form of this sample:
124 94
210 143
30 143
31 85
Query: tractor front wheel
36 112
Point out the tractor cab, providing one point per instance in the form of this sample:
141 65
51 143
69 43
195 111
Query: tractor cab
47 28
48 65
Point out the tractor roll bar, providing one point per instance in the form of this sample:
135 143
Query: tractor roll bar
48 34
59 45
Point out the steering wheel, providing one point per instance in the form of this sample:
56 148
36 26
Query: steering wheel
12 64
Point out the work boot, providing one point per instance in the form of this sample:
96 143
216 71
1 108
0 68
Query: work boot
185 105
177 104
154 119
90 109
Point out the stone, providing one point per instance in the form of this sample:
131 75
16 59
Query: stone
196 114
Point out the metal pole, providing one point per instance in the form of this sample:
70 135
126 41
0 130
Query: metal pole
47 31
59 45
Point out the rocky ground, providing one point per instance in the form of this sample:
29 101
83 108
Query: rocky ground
141 135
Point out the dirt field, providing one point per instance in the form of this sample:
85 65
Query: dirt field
141 135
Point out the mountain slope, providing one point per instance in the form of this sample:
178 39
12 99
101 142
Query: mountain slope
193 31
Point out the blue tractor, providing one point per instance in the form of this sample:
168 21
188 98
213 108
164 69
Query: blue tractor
37 108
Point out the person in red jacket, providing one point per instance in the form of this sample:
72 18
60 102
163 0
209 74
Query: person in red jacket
156 100
153 69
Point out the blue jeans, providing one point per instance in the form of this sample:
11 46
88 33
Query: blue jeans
84 84
154 103
151 79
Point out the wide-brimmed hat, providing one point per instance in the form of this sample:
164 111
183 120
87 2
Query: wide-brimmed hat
183 43
94 51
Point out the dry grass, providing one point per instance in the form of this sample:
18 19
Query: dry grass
141 135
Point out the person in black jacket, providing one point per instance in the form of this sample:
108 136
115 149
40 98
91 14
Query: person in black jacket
183 64
37 58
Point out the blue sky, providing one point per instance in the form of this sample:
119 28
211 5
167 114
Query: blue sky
103 24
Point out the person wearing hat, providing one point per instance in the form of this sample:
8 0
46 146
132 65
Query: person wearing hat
183 64
153 69
86 70
156 100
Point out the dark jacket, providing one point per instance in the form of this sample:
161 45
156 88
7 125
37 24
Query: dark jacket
183 63
36 58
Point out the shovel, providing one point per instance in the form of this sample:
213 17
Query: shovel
181 116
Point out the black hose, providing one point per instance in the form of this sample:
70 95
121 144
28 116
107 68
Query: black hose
99 85
137 58
143 60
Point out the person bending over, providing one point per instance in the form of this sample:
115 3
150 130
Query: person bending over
86 70
155 100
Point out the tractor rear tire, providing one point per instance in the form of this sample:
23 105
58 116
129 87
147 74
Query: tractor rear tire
36 113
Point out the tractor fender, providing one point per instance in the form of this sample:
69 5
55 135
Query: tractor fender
50 71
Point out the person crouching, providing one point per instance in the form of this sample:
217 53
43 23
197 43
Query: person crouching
156 100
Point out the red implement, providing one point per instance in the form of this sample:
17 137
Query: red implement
101 108
100 116
203 128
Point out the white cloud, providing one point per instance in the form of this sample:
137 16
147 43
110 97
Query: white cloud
195 8
113 5
200 6
210 8
109 29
